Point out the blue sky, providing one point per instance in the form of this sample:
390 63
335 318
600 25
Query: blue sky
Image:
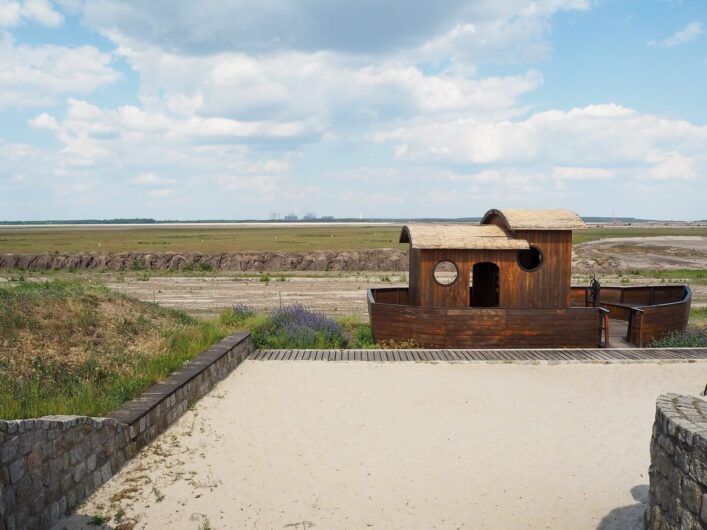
240 109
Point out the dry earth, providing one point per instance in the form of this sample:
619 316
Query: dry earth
403 445
641 253
331 294
334 295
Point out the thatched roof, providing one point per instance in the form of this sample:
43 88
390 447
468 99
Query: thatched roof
460 236
521 219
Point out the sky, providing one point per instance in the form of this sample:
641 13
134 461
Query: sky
405 108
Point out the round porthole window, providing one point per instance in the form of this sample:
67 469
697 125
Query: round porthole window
531 259
445 273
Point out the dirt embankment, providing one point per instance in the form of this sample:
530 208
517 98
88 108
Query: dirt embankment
365 260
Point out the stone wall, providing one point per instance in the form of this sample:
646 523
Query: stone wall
49 465
678 470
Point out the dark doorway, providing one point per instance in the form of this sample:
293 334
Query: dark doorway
486 286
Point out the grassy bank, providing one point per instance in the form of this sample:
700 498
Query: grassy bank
69 347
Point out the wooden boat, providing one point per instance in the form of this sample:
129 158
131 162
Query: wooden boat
505 283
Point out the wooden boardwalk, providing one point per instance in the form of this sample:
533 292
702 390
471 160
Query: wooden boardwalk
503 356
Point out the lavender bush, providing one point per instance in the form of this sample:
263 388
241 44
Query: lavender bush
294 326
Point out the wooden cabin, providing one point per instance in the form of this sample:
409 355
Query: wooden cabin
514 258
506 282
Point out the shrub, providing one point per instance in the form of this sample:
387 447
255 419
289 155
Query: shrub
293 326
363 337
690 338
242 311
138 264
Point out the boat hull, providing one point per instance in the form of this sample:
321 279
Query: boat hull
395 322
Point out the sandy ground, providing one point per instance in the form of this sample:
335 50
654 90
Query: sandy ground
403 445
626 253
333 295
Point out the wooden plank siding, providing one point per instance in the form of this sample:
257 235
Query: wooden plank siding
438 327
393 319
548 286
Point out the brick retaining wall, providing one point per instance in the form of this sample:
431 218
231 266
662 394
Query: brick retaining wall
48 465
678 470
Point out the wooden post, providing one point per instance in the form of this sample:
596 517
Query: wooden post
606 330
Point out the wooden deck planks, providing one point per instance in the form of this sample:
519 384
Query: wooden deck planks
500 355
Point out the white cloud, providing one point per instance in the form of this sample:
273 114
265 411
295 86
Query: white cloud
593 135
42 11
9 14
150 179
44 121
687 34
37 75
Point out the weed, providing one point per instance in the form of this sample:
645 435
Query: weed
264 277
385 278
690 338
98 520
159 496
138 264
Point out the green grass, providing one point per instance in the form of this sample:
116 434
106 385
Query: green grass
693 276
592 233
196 239
38 240
96 365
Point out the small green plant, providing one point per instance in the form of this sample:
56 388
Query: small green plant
144 277
264 277
281 278
385 278
138 264
206 267
363 337
97 520
689 338
159 496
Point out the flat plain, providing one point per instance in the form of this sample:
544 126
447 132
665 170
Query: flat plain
254 237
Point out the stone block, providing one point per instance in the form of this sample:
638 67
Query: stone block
692 495
17 470
689 522
9 449
91 463
79 472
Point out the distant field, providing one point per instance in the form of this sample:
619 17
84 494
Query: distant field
197 239
241 238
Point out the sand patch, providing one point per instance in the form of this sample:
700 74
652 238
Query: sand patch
403 445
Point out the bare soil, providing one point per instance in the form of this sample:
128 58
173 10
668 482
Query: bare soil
334 295
641 253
